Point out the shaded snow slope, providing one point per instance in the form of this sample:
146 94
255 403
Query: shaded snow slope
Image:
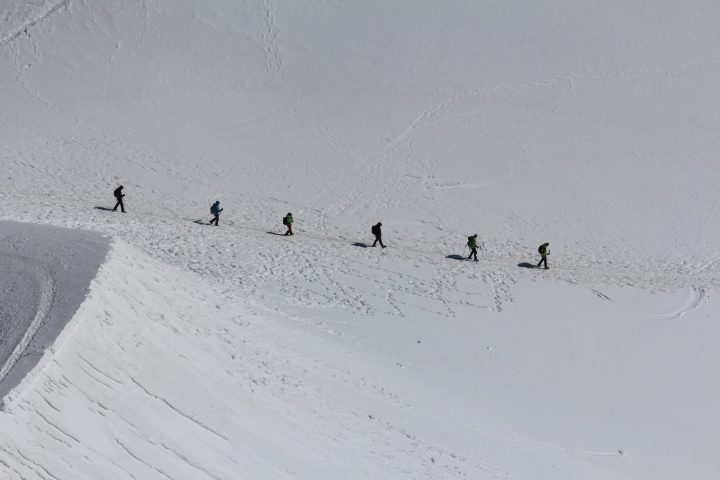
234 352
46 275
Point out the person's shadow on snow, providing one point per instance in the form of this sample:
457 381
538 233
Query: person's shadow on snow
526 265
105 209
456 257
360 244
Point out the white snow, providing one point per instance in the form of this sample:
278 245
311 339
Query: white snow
232 353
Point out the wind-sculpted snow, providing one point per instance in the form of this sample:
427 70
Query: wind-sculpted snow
166 375
46 275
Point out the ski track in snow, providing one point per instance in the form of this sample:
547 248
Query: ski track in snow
47 9
44 304
696 297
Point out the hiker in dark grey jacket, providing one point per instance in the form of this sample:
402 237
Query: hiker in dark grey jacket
378 234
119 196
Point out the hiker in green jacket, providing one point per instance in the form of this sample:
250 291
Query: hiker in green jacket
288 221
544 251
472 243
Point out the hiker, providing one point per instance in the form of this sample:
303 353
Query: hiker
544 251
472 243
378 234
215 210
119 196
288 221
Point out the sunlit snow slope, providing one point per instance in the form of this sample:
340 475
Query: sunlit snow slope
232 353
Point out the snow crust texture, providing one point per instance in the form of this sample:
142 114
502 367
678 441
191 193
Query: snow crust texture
234 352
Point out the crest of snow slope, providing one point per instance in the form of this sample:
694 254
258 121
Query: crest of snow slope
590 126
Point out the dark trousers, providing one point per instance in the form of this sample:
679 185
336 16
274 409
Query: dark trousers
119 204
543 260
473 252
378 238
215 220
289 230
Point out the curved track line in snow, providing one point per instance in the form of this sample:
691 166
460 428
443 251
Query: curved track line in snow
696 297
44 304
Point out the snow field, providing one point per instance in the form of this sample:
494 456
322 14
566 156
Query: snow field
230 352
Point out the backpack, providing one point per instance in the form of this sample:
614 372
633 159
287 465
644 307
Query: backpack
285 222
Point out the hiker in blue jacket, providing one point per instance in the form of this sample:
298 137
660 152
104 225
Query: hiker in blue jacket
215 210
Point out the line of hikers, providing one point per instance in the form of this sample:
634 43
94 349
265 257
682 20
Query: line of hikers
376 229
543 250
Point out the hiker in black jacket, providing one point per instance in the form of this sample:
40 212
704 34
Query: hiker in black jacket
378 234
119 196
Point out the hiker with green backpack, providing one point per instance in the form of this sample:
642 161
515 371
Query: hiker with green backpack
544 251
472 243
288 221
